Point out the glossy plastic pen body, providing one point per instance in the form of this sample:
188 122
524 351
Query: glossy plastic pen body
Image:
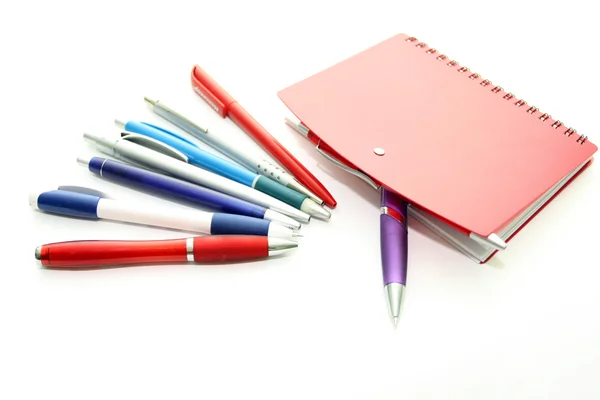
394 249
90 206
203 159
204 249
249 159
179 191
127 148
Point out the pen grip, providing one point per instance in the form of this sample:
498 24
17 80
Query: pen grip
394 255
271 171
230 248
283 193
87 253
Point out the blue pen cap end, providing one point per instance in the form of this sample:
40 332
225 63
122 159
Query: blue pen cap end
68 203
95 164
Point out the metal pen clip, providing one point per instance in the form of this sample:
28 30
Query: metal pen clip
175 118
153 144
346 168
122 125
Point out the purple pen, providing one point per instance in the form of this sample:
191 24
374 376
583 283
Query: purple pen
394 249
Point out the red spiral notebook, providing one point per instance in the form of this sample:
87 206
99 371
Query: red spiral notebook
471 158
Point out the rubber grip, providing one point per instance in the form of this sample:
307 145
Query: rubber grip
278 191
230 224
230 248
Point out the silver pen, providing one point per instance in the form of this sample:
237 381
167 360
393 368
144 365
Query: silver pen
251 161
156 155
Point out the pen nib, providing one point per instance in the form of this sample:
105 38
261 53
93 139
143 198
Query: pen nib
393 294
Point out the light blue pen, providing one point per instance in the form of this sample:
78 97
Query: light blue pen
210 162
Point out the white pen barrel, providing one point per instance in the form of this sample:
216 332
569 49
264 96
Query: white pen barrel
166 217
270 170
250 160
202 177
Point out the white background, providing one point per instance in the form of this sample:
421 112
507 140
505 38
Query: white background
313 324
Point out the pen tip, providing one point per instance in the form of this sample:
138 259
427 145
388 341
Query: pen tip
497 241
149 101
38 253
316 210
395 322
119 123
85 161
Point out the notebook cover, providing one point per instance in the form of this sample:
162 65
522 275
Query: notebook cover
455 144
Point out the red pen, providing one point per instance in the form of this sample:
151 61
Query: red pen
95 253
225 105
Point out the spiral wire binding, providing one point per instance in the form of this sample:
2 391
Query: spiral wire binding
496 89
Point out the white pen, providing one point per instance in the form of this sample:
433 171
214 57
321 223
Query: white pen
87 203
153 154
250 160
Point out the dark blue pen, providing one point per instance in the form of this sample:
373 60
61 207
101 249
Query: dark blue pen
179 191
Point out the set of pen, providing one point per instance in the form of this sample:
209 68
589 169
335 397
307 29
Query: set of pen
226 106
203 159
179 191
246 208
152 154
252 161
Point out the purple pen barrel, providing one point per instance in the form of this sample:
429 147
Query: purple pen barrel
394 238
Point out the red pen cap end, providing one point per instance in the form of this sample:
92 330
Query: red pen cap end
210 91
42 255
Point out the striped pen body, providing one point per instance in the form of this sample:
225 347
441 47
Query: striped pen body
207 249
91 206
180 191
203 159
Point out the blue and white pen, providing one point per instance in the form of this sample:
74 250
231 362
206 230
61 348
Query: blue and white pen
203 159
91 204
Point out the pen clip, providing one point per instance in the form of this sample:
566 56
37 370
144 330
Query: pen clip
213 94
175 118
153 144
83 190
346 168
163 130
